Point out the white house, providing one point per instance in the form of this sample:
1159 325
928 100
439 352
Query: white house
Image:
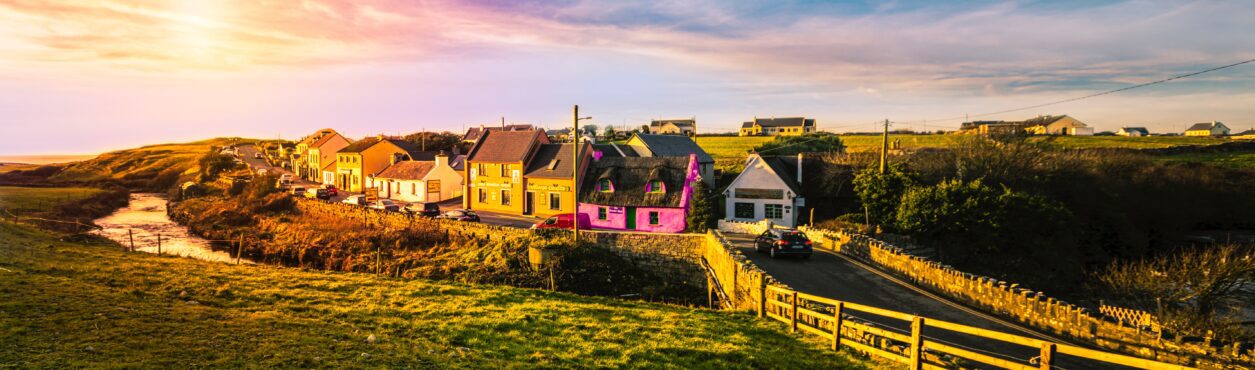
768 188
419 181
1133 131
1212 128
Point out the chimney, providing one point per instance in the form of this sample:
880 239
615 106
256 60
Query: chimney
799 168
380 137
442 159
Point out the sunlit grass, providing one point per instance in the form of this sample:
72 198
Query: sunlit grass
1226 160
21 199
88 304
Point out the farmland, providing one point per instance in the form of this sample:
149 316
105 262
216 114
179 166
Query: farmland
738 147
19 199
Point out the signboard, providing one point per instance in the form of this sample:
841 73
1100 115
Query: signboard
748 193
372 194
540 187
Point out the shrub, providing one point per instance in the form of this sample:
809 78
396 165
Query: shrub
880 193
701 209
820 142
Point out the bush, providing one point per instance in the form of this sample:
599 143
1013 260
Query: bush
880 193
701 209
821 142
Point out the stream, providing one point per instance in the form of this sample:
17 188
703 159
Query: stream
144 219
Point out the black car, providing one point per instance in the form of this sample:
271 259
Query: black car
783 242
422 209
460 215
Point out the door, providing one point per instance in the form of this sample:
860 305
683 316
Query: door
631 217
529 200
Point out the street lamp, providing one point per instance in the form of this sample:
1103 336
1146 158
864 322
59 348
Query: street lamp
575 173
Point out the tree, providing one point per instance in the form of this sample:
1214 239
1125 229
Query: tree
880 193
437 141
213 163
701 209
819 142
609 133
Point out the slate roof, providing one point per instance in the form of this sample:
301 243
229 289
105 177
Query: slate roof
552 161
323 140
1202 126
506 146
407 170
629 177
1142 130
410 148
673 146
786 168
608 150
678 122
474 133
458 162
781 122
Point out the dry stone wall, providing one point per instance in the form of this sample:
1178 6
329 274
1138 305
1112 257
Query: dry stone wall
677 256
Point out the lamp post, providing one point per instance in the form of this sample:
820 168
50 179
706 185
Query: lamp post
575 173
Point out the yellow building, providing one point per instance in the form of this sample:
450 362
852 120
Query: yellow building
788 126
1207 129
322 154
359 161
494 170
549 189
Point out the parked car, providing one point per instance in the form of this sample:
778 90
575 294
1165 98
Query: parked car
562 221
385 205
257 155
317 193
262 171
784 242
331 189
460 215
422 209
283 183
297 191
286 176
357 200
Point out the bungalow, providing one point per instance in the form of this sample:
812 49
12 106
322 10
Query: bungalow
1244 135
1133 131
420 181
768 188
638 194
788 126
474 133
1212 128
359 161
648 145
686 127
1057 125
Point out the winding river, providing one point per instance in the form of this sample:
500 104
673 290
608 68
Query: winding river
145 218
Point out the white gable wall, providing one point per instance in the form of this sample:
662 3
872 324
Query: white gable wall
758 175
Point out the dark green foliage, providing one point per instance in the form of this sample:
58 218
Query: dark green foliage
701 209
880 193
211 164
821 142
438 141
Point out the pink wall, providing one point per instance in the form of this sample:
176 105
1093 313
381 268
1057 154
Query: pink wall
670 220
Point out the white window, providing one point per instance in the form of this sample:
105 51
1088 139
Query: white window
773 211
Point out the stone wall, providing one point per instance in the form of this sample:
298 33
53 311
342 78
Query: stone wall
742 227
739 280
1029 307
677 256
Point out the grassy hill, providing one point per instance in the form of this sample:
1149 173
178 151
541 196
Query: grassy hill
82 302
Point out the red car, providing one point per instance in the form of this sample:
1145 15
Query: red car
331 190
562 221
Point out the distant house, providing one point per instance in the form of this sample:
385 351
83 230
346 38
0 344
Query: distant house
313 152
1244 135
419 181
778 126
1133 131
1212 128
686 127
361 160
769 188
474 133
1040 125
638 194
649 145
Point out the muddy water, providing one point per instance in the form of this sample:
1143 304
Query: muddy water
145 217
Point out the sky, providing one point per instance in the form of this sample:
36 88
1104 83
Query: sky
82 77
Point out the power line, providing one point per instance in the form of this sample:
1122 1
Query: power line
1127 88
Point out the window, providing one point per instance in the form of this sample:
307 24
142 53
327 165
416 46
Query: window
483 195
505 197
773 211
653 218
505 170
601 213
744 210
413 188
604 186
555 201
655 187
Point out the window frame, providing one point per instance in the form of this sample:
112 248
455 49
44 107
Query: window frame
603 213
505 197
737 208
655 218
779 210
555 206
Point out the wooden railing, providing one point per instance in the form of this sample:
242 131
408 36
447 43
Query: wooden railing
832 319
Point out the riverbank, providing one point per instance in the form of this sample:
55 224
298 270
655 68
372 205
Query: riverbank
89 304
143 225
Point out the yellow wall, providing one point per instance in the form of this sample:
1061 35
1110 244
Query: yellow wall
776 131
349 172
542 187
487 176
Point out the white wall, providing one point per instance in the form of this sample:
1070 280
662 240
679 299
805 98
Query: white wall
758 175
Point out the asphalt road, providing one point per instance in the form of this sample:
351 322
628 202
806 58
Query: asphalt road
830 275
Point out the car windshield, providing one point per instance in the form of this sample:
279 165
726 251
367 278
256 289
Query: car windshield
793 237
431 207
551 221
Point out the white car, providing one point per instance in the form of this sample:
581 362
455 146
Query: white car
262 171
385 205
357 200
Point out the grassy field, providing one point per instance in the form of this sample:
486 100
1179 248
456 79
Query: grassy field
738 147
40 199
87 304
1226 160
142 162
6 167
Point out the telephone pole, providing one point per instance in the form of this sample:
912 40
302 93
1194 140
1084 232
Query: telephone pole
884 147
575 174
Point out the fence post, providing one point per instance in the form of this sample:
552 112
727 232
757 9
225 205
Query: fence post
836 325
130 234
917 343
239 248
793 315
1047 356
710 292
158 244
762 295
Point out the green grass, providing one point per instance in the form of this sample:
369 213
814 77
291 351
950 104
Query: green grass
143 162
41 199
87 304
1149 142
737 147
1226 160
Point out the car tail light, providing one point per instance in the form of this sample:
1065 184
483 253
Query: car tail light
808 242
781 242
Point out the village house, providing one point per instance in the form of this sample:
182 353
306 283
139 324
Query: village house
649 194
494 170
473 133
1133 131
361 160
321 154
1040 125
686 127
1212 128
788 126
549 185
420 181
769 188
1244 135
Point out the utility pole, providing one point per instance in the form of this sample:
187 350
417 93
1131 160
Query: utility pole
575 178
884 148
424 139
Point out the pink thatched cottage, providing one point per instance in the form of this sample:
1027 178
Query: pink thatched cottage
638 193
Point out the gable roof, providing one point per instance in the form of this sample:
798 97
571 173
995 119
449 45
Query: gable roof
458 162
678 122
474 133
407 170
780 122
1142 130
323 140
506 146
671 146
1204 126
786 169
359 146
408 147
629 176
611 150
552 161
